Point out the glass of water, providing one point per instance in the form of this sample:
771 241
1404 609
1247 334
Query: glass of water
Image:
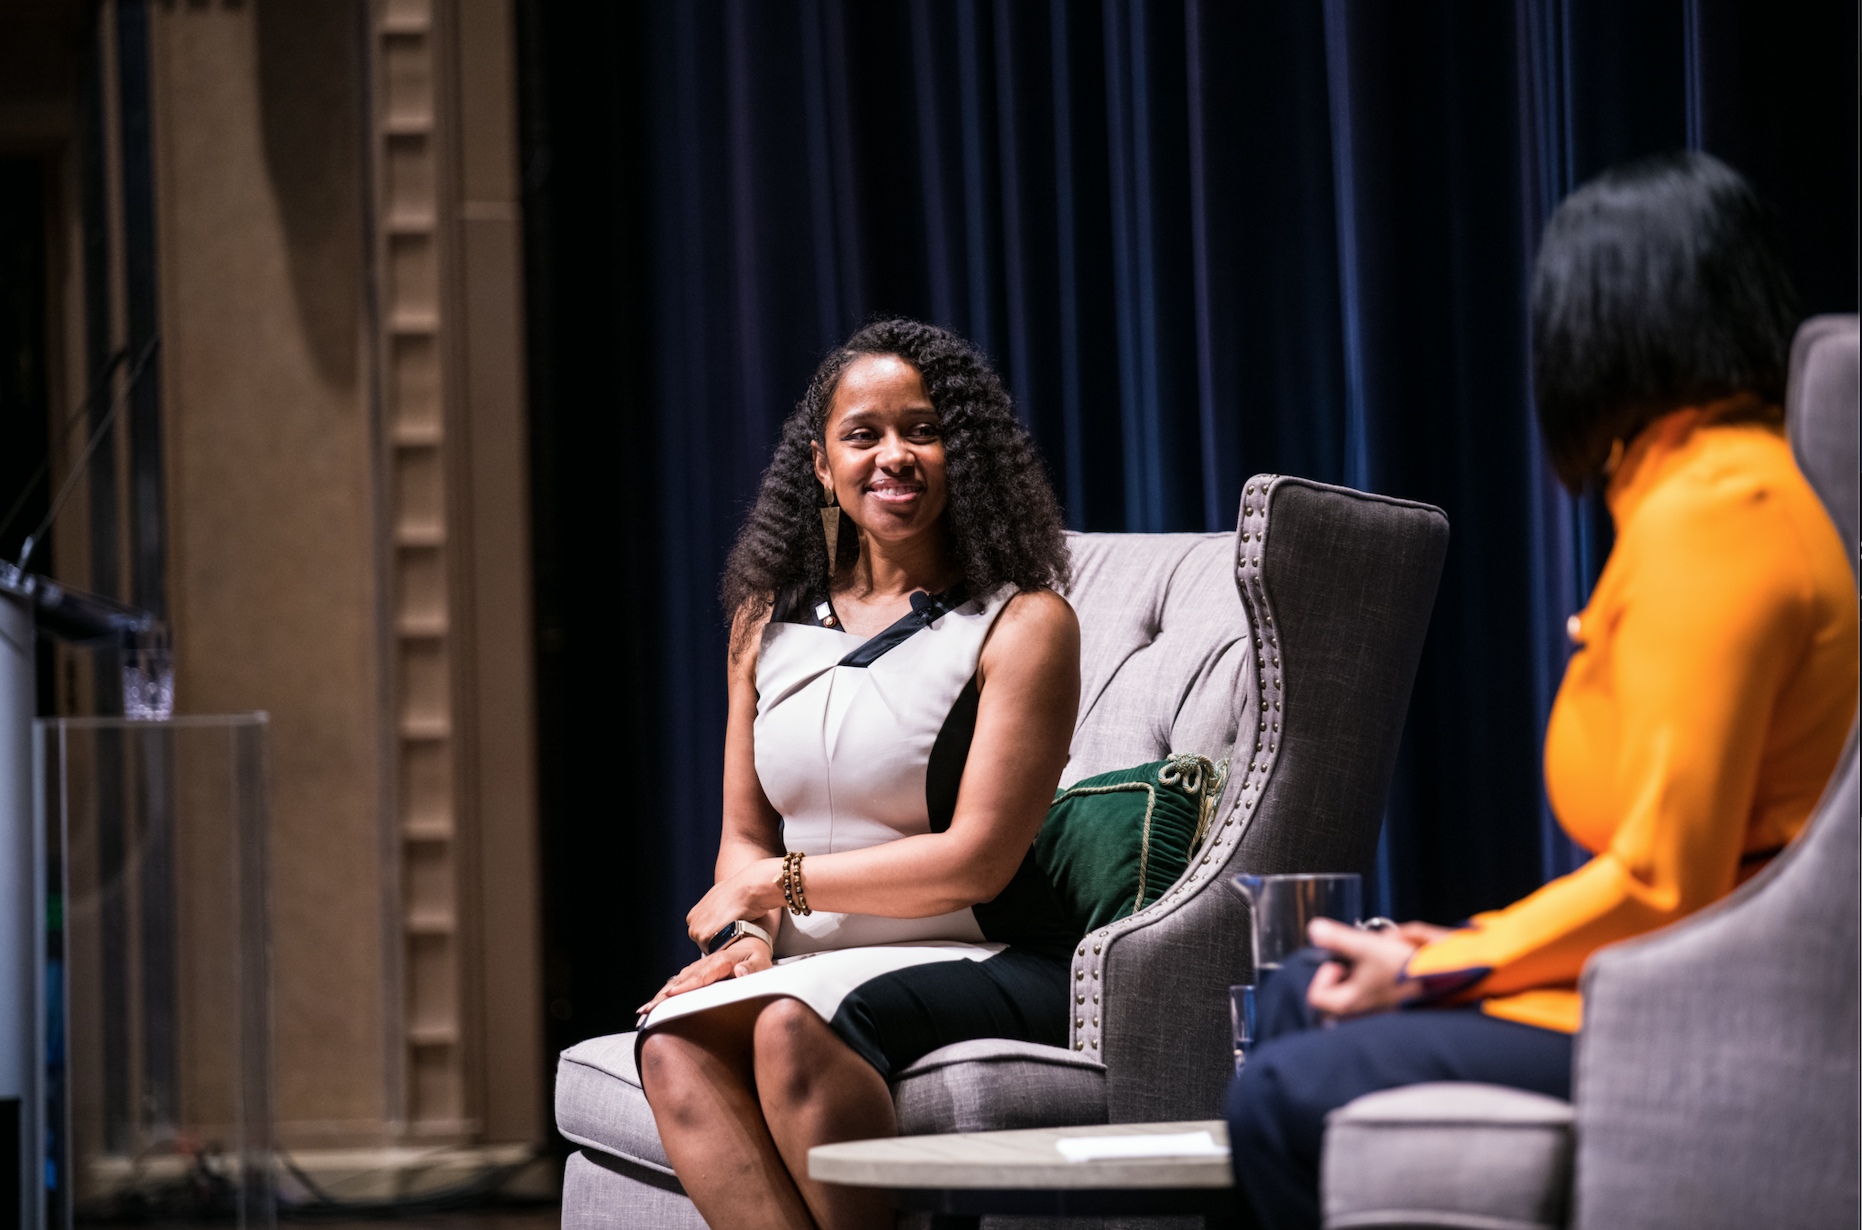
1241 1017
148 676
1280 906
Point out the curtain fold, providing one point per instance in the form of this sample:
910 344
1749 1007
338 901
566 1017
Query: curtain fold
1200 240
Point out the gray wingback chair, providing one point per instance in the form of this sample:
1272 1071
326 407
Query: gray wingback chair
1293 642
1715 1079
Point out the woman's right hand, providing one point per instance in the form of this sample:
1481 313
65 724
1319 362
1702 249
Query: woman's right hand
746 955
1420 933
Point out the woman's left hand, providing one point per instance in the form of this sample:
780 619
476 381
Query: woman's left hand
1370 976
748 955
749 893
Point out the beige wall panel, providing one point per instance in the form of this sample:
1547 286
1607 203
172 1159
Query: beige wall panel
501 668
437 1093
407 76
432 986
488 101
270 457
426 794
421 606
419 495
426 690
428 888
413 278
503 752
415 392
408 192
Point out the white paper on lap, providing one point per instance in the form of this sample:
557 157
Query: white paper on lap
820 980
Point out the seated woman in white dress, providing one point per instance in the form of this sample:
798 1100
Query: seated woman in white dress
898 724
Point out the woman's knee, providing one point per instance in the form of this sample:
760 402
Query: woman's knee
787 1029
664 1059
676 1074
791 1044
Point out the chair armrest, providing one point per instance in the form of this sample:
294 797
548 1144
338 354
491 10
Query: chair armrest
1337 586
1164 975
1450 1153
1716 1072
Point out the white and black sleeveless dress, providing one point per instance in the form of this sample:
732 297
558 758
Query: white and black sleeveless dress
860 742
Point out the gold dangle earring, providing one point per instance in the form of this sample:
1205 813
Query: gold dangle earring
830 529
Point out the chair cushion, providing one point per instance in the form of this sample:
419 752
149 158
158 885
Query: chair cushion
976 1086
599 1101
1448 1154
992 1084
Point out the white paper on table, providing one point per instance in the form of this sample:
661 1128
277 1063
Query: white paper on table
1107 1148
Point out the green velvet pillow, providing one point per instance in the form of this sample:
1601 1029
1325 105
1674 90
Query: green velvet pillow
1112 843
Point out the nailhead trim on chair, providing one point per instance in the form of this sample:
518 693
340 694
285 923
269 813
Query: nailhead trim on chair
1267 674
1245 787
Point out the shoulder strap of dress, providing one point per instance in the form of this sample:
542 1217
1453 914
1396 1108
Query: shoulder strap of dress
926 610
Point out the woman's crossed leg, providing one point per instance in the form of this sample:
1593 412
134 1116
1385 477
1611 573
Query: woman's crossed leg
742 1092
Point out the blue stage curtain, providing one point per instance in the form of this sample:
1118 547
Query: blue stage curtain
1201 241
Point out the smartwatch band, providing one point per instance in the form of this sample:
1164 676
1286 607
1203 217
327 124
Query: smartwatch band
731 934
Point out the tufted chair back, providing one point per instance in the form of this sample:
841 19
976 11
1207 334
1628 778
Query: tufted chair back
1164 662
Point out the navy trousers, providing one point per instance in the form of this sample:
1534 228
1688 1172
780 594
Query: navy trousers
1299 1070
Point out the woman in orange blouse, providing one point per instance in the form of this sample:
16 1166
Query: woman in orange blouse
1711 685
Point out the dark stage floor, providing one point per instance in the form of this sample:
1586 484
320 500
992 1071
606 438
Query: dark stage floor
539 1217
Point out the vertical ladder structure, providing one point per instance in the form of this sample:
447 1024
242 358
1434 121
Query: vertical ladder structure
427 1057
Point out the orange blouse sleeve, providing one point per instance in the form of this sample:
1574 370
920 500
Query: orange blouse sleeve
1661 722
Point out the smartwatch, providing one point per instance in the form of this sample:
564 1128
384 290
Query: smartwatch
736 931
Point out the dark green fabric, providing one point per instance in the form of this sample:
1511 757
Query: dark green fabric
1092 842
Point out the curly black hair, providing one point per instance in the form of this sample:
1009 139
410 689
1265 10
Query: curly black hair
1002 524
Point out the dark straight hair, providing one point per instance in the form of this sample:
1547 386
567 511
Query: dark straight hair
1658 286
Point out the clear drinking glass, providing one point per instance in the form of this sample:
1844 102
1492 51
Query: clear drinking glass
1241 1017
148 676
158 1056
1280 906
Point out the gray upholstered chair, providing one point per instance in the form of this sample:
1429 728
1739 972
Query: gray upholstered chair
1715 1077
1821 416
1293 642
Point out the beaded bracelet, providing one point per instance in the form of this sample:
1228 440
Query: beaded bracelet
795 878
792 894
